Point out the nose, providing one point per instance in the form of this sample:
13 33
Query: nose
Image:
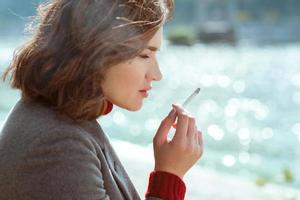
155 73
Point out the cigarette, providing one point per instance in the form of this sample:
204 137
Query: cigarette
191 97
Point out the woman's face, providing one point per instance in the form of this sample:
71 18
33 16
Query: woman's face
128 84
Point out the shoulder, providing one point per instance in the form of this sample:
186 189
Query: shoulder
33 123
34 117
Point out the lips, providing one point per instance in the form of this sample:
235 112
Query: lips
144 92
146 89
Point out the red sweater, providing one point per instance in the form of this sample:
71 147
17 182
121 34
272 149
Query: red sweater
161 184
166 186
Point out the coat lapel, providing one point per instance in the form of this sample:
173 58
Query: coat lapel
118 172
118 175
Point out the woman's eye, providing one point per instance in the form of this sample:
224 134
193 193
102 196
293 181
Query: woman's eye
144 56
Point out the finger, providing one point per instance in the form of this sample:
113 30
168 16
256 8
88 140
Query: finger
196 138
182 127
201 144
174 125
200 138
179 107
164 128
191 127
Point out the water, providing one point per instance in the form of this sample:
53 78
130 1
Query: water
248 107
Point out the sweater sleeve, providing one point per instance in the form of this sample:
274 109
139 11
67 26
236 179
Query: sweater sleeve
62 167
164 185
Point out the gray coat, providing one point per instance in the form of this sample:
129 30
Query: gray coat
45 157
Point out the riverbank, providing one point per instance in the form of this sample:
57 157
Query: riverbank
202 183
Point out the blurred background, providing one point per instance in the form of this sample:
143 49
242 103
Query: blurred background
245 57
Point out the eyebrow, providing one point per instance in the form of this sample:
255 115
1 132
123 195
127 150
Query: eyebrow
152 48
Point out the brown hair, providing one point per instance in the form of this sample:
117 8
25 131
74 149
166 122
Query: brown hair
75 41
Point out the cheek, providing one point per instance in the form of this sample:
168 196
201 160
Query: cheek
127 83
134 77
125 79
132 81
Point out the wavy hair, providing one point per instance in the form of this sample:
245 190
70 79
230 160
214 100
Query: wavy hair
74 42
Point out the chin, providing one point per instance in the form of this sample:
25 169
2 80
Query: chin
134 109
131 107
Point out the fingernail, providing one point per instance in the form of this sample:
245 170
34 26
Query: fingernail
176 106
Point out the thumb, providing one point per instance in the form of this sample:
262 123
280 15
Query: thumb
164 128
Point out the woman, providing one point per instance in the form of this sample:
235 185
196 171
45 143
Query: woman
84 57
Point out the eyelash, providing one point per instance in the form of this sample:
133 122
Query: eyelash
144 56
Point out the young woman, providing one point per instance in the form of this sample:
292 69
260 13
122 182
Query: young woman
84 57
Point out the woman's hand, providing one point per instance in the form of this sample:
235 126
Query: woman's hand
181 153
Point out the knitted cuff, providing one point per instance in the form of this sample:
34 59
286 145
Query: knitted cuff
166 186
